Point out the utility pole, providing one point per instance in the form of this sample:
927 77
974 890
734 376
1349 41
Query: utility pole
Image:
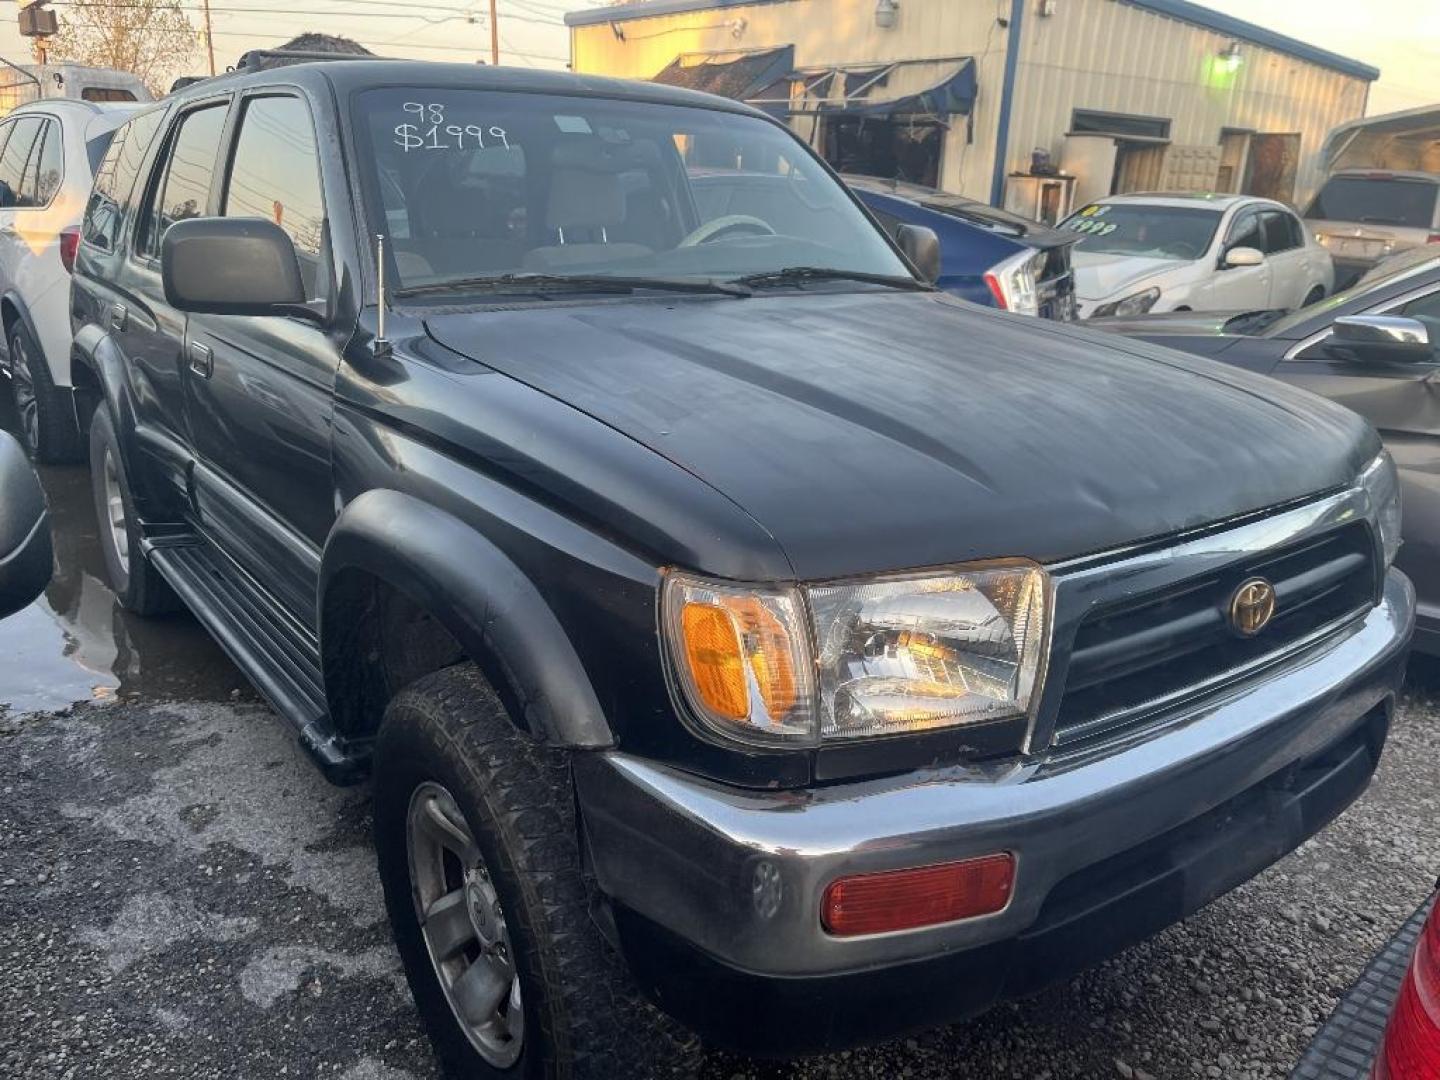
494 35
209 38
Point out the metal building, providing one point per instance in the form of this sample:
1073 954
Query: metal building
1120 95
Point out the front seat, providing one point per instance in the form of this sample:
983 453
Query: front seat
453 231
586 201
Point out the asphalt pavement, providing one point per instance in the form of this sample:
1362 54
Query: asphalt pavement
182 894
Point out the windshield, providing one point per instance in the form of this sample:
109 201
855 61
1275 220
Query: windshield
1376 200
471 184
1402 270
1160 232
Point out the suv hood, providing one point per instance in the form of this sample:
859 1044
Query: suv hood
871 431
1104 277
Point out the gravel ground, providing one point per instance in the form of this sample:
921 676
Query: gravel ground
182 895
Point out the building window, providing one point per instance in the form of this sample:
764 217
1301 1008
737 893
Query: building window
1120 125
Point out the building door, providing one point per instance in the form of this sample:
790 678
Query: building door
1234 153
1138 167
1271 171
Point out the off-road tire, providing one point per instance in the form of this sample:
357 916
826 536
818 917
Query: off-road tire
53 437
583 1018
139 586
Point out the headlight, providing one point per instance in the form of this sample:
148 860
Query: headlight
890 656
1137 304
1382 484
1015 283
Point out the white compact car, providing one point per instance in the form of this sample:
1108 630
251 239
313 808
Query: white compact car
49 151
1194 253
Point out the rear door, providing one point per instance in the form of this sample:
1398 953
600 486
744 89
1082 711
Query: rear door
1290 259
147 329
259 389
1240 288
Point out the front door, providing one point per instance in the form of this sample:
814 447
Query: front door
1239 288
1402 401
259 390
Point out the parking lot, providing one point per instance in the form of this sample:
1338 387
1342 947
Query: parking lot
187 897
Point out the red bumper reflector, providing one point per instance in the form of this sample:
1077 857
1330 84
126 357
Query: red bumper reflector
927 896
1411 1049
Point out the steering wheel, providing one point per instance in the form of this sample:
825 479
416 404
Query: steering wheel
727 226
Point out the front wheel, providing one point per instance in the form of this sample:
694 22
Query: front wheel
1314 296
479 855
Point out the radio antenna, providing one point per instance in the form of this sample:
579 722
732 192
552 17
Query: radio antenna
382 343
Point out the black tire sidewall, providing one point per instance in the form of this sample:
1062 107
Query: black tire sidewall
57 437
141 589
409 759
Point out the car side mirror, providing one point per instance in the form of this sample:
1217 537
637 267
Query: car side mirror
1380 339
1243 256
26 556
232 266
922 247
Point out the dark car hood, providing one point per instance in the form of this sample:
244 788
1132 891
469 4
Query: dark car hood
871 431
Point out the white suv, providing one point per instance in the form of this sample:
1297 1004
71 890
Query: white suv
49 151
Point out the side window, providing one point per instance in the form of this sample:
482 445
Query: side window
1246 231
182 185
1427 309
889 222
275 174
1279 235
15 157
115 179
48 165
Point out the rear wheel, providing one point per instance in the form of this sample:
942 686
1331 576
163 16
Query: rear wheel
1314 296
47 415
479 855
136 582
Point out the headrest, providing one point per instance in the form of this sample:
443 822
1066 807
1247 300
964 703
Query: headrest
581 199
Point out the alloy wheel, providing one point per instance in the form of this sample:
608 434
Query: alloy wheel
115 511
463 926
23 385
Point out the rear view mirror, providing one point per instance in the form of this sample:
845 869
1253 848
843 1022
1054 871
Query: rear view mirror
231 266
26 557
1243 256
922 247
1380 339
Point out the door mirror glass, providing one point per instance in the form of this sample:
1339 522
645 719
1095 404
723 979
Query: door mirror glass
231 266
1243 256
922 247
1380 339
26 557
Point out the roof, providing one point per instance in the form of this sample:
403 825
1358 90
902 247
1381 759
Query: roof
1215 200
1183 10
348 73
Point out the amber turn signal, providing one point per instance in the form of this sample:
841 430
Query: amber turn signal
926 896
712 651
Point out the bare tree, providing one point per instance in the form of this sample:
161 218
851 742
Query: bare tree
150 38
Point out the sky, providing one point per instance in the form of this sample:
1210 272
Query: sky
1401 37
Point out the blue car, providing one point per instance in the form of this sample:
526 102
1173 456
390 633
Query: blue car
987 256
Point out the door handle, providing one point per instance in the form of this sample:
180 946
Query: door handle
118 316
202 360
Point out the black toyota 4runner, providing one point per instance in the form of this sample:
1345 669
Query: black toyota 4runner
698 586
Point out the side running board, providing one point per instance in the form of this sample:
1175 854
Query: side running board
277 654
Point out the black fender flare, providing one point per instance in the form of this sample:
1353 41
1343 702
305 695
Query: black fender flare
482 598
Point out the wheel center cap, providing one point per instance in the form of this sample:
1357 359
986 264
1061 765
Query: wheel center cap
482 910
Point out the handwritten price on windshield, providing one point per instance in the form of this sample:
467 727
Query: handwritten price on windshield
431 131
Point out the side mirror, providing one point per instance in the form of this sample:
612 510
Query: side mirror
26 557
1243 256
1380 339
922 247
231 266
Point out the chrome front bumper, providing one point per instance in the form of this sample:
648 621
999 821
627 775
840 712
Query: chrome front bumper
739 875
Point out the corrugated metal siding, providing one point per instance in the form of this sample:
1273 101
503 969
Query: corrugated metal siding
1091 54
1101 54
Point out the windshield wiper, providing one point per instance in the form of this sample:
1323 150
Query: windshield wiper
795 275
535 282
